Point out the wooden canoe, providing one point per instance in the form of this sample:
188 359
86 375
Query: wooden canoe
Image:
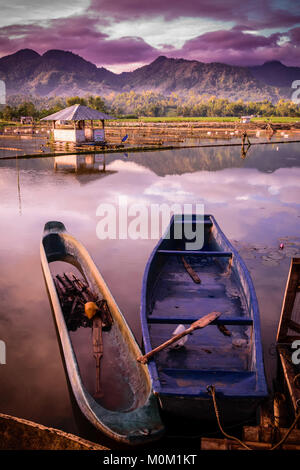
22 434
180 286
288 333
128 411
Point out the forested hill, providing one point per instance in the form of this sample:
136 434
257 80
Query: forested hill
62 73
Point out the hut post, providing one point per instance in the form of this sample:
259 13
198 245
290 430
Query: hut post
92 130
52 137
103 127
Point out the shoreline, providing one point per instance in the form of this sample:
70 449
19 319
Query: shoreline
137 149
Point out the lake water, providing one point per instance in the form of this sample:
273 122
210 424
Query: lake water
255 200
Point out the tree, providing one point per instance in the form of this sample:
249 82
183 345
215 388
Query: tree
76 100
98 103
27 108
8 113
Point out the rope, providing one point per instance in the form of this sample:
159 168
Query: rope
287 433
295 379
211 389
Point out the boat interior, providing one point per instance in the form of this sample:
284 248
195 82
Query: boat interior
209 356
125 384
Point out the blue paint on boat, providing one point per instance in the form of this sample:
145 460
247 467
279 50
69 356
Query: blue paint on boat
233 364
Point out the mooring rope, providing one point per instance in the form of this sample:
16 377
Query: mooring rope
287 433
211 389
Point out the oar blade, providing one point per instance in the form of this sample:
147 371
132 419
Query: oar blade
206 320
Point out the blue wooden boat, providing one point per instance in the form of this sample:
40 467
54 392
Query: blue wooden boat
127 411
231 360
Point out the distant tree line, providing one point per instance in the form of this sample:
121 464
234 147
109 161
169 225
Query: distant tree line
131 104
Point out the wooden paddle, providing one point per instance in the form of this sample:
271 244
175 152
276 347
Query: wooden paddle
201 323
97 351
190 270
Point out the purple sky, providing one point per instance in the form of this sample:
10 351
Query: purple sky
125 34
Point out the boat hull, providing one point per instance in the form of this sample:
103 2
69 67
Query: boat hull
140 422
232 410
172 295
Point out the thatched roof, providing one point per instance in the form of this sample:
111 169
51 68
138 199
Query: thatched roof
77 112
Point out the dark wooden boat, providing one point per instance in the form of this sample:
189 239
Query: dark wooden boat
127 410
21 434
180 286
288 336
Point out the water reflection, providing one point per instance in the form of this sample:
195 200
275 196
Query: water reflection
84 167
13 145
255 200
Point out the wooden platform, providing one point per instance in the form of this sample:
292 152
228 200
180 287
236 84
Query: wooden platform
262 442
288 332
21 434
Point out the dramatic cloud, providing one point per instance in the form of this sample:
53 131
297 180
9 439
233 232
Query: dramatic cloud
23 11
125 34
80 37
238 48
254 13
295 36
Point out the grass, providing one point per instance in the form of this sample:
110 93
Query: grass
7 123
182 119
279 119
274 119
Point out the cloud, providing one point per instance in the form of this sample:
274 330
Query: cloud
294 35
255 14
125 34
238 48
81 37
18 11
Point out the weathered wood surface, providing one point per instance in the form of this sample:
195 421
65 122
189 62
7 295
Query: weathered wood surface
201 323
132 415
289 373
288 331
290 315
267 434
190 270
226 444
97 351
21 434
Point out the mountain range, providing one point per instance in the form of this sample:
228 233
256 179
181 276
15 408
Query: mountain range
63 73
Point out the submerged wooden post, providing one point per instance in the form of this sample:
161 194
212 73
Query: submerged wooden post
103 127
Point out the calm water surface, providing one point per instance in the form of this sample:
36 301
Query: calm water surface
256 202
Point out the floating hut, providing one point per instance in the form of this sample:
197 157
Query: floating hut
246 119
26 120
75 124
